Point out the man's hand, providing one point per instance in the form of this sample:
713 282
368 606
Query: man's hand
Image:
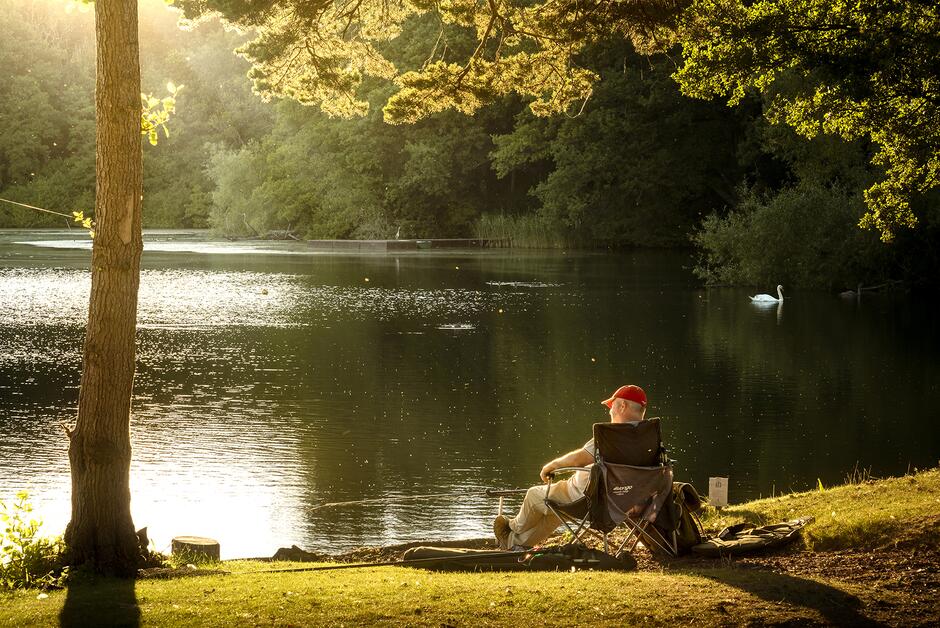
548 468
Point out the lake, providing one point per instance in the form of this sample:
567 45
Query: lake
272 381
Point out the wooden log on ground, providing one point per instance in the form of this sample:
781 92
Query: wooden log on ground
195 547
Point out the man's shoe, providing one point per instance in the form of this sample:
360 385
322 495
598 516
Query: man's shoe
502 531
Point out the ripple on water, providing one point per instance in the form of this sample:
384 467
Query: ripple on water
457 327
200 382
522 284
195 299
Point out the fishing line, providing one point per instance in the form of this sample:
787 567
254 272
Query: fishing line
39 209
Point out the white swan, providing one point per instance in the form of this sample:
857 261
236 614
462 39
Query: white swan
766 298
849 294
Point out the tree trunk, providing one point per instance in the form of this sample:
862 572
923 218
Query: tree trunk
101 531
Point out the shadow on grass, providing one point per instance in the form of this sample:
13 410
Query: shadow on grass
100 602
835 605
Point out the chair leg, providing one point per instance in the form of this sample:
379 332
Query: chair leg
630 535
566 521
581 530
636 529
670 547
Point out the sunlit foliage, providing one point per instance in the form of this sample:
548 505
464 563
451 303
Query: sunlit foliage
26 558
86 222
853 69
858 70
611 175
155 113
47 147
629 161
318 51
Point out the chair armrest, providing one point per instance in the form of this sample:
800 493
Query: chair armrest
568 470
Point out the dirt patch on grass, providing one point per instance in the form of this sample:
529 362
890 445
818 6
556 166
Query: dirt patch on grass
917 570
902 587
896 587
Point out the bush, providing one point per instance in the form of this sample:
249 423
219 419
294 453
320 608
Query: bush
27 559
806 235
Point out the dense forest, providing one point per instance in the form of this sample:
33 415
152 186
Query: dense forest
639 165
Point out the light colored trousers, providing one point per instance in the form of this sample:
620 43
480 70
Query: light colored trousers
535 522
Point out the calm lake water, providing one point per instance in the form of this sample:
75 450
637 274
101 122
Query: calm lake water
272 381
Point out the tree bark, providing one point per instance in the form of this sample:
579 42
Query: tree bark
101 531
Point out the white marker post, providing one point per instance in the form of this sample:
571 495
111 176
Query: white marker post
718 492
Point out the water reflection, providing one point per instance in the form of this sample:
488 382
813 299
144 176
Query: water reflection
769 307
270 386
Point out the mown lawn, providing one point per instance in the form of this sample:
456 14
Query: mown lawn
885 514
398 596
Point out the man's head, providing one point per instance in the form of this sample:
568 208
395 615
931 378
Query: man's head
628 403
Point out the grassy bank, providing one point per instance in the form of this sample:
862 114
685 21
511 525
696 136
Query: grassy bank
899 512
865 525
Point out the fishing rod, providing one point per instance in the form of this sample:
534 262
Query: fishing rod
490 492
504 492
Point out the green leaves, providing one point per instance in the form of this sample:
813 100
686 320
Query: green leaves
26 559
319 52
85 222
856 70
804 235
155 113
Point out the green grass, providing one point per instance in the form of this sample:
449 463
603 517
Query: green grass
526 231
396 596
871 514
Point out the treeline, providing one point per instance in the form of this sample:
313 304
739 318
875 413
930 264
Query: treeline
47 114
640 165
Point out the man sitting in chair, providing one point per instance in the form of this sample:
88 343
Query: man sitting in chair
535 522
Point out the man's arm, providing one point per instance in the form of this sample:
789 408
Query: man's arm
576 458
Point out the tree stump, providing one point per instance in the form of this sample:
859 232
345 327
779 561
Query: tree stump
195 547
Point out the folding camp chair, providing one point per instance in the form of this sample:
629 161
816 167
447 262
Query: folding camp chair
630 480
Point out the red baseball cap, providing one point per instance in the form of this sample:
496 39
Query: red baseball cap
628 392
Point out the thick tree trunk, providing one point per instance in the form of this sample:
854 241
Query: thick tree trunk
101 532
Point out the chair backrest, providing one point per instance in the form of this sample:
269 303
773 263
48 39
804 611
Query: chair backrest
638 444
